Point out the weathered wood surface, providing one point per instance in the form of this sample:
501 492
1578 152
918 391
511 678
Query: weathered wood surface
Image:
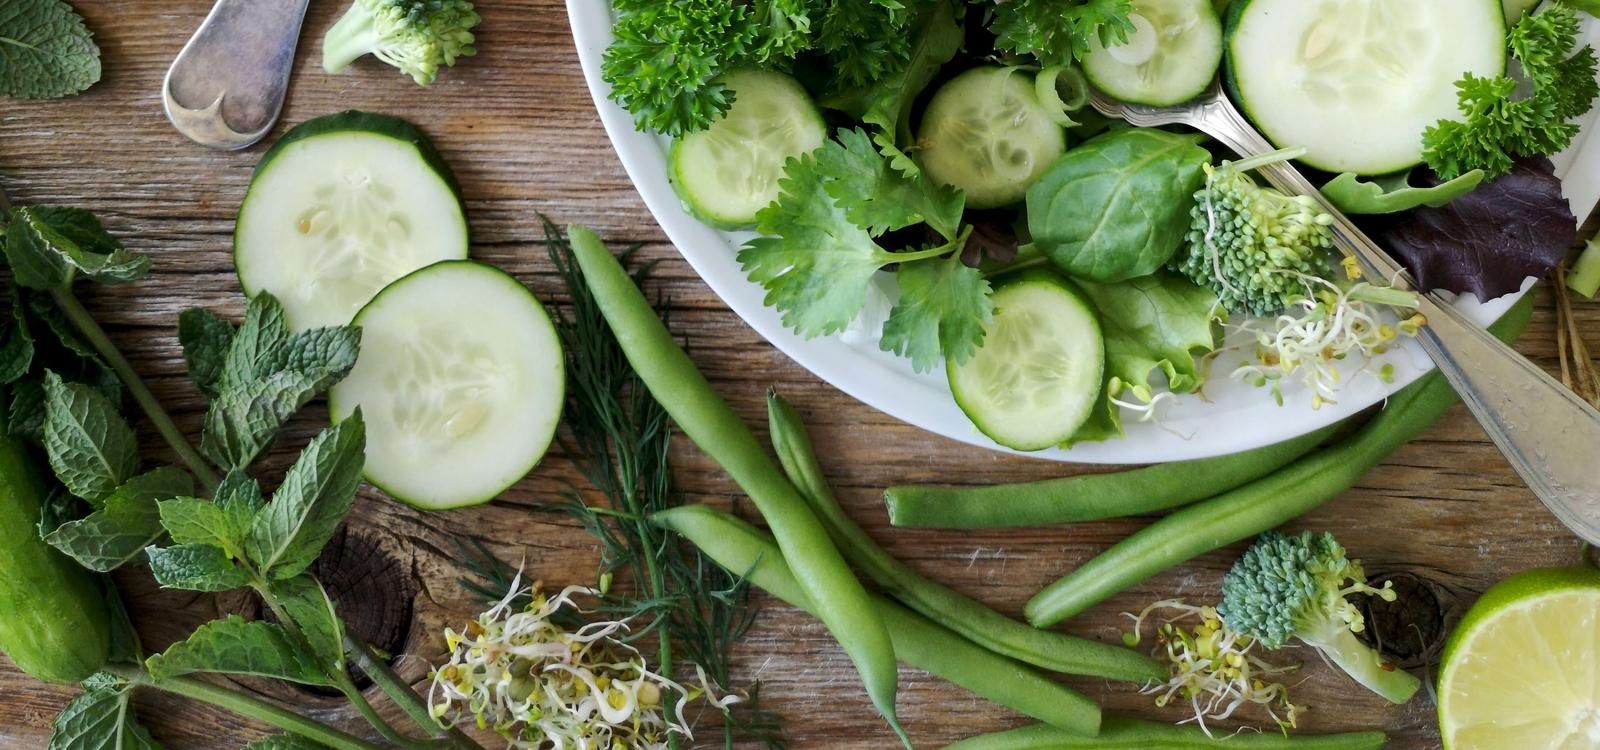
517 125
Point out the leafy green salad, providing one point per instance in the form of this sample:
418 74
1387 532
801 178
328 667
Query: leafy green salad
1066 269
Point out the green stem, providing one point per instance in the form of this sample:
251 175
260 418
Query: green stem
933 252
1271 157
244 705
86 325
1385 295
1028 256
399 692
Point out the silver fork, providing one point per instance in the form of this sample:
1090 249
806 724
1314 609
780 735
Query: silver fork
1546 432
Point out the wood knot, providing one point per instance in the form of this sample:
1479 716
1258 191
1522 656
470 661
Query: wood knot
1410 629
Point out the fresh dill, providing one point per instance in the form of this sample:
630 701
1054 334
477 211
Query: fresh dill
619 440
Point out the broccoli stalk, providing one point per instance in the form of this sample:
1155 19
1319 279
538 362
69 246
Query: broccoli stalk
416 36
1296 586
1584 276
1253 245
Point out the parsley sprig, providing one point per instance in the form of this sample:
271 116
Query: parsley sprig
1499 123
819 253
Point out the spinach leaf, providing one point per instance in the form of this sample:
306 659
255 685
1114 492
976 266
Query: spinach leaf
234 645
1487 242
45 50
1117 207
100 719
1394 193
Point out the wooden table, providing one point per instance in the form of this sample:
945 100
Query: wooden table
519 129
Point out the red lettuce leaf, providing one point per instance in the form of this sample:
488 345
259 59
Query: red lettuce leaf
1488 241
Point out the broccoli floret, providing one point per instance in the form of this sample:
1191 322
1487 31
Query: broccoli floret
1254 245
1296 586
416 36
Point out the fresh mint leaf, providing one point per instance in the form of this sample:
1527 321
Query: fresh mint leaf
316 494
127 522
240 498
42 308
943 308
196 567
25 410
16 342
877 197
91 448
241 422
47 246
234 645
205 339
45 50
190 520
255 344
306 603
102 717
320 350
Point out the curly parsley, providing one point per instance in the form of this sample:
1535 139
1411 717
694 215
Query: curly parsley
1057 32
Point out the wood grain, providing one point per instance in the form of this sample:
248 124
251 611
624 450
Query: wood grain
518 126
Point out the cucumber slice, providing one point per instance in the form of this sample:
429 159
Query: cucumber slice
987 133
461 382
341 206
1171 57
727 173
1041 368
1356 82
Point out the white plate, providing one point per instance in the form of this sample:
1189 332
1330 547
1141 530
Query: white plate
1230 417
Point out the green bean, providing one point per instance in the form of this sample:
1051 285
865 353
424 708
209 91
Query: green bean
743 549
1131 734
843 604
1090 497
970 618
1260 505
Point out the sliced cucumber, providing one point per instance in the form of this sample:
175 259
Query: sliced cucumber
1356 82
728 172
460 380
987 133
341 206
1039 373
1171 57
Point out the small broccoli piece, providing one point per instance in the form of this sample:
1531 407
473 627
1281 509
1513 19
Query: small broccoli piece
1296 586
416 36
1253 245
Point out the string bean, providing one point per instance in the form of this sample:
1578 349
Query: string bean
1130 734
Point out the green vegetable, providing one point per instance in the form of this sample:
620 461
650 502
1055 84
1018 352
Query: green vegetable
1260 505
1254 245
842 603
987 133
1090 497
54 624
1394 193
819 254
48 52
1131 734
887 102
1117 207
1298 586
965 616
1058 33
1499 121
416 36
737 546
1584 276
101 718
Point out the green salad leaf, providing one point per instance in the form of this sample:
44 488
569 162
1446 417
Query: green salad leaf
46 51
234 645
1117 207
1390 194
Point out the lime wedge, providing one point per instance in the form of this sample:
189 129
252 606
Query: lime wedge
1522 670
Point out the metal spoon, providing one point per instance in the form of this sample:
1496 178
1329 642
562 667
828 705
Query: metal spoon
1547 433
227 86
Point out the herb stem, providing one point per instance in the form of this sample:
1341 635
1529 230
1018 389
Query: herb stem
86 325
244 705
399 692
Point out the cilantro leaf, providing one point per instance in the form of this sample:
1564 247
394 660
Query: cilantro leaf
45 50
1499 124
196 567
205 339
234 645
879 198
92 450
101 718
287 535
126 523
943 308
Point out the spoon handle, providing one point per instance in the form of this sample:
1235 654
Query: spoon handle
1547 433
227 86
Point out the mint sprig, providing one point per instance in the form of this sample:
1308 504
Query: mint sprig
49 52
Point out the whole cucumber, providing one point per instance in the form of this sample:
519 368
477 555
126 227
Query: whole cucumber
53 619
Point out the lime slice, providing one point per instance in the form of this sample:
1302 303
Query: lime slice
1522 670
